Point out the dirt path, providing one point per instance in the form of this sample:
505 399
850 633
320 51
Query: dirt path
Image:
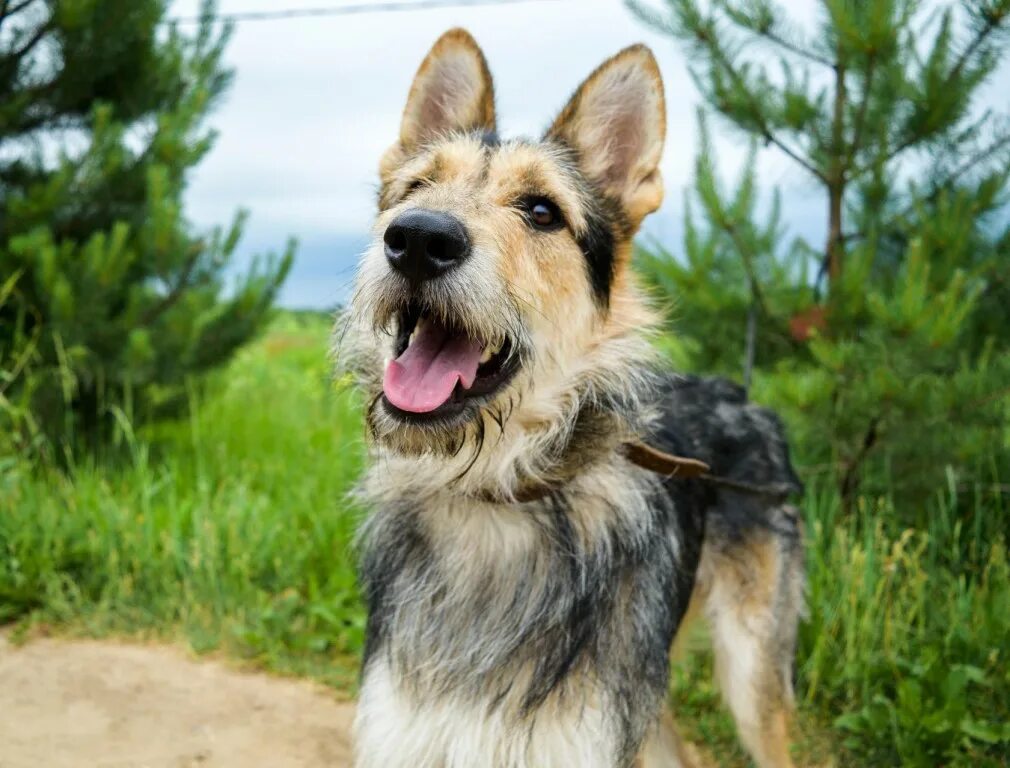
86 704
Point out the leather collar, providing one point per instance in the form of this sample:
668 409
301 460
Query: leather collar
661 463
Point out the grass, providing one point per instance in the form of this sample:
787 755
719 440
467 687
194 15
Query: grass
232 531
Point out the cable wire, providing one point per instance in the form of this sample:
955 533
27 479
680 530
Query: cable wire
347 10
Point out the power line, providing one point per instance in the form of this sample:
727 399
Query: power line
348 10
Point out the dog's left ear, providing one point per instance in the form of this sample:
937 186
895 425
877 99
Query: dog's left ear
451 91
616 123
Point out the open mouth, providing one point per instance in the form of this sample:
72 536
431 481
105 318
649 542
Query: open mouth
439 369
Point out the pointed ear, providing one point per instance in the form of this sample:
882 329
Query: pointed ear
452 90
616 122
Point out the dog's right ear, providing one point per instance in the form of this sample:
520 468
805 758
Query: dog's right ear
452 91
616 123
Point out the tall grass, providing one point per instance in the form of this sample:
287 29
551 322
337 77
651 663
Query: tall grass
905 651
232 530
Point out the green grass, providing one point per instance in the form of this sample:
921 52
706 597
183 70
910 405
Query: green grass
232 531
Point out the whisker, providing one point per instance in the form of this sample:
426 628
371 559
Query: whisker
479 437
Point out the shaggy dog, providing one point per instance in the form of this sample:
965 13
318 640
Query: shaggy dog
525 577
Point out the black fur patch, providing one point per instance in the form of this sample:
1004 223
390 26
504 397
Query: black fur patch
711 420
605 226
598 245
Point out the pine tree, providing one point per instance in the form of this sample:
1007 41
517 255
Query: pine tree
886 345
114 296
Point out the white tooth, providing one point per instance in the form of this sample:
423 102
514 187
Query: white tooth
386 362
486 355
418 327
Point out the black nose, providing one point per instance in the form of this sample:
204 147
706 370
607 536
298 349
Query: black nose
423 244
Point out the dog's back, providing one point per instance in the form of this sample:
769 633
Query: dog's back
710 419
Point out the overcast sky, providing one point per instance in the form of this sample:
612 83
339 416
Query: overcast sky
315 102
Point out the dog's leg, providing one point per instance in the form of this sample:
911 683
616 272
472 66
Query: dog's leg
751 585
664 748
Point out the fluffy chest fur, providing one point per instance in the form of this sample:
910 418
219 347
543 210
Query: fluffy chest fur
518 635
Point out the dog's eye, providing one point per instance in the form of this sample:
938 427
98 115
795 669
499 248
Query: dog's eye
542 213
415 185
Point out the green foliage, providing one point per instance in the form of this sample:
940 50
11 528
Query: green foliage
231 528
102 113
15 352
906 647
887 348
899 392
731 265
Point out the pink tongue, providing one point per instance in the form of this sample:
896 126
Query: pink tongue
424 376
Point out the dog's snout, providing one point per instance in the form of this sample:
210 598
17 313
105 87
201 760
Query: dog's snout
423 244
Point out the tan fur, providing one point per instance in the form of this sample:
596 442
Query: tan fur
750 598
666 749
543 275
452 90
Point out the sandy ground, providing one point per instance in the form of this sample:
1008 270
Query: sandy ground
106 704
85 704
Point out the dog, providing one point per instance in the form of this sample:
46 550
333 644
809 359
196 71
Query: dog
524 578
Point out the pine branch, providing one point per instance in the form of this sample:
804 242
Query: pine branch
795 49
766 29
794 155
170 298
691 26
747 256
965 167
860 123
749 348
978 157
992 23
764 129
836 179
952 177
48 121
6 10
34 118
13 60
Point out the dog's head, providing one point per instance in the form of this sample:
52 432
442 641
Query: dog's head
496 290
